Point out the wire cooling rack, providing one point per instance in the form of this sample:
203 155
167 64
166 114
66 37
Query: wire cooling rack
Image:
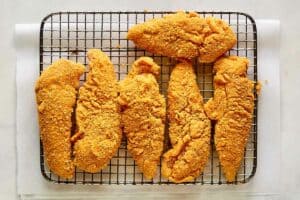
71 34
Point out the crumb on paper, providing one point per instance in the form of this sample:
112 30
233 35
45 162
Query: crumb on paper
146 10
258 87
122 65
118 46
266 82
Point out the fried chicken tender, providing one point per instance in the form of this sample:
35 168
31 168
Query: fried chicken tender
56 96
184 36
189 127
97 115
232 108
143 115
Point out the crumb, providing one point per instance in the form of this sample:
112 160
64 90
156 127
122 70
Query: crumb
193 14
258 87
122 65
146 10
266 82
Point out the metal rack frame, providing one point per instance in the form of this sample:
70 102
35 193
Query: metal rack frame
70 34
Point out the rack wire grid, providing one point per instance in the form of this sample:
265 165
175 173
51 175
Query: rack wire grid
70 35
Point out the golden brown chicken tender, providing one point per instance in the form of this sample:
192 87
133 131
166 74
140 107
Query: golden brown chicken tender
184 36
232 108
56 96
97 115
143 115
189 127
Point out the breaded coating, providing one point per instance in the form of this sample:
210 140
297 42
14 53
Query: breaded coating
189 127
143 115
97 115
56 96
184 36
232 108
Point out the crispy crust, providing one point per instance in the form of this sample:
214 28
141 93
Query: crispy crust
232 108
56 97
189 127
97 116
184 36
143 115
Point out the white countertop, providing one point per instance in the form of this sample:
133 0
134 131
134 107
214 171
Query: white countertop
32 11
